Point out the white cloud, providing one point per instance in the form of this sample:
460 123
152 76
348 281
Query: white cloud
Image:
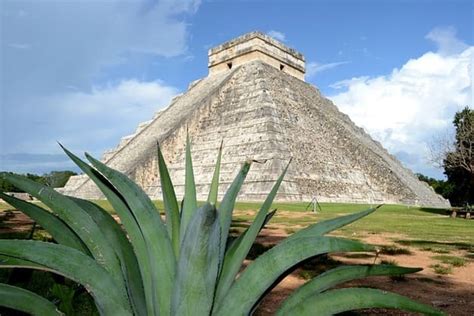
312 68
405 109
92 121
277 35
446 40
53 53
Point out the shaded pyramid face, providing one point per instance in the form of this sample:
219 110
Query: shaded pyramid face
268 114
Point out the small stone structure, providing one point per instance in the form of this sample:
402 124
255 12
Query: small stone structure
256 101
256 46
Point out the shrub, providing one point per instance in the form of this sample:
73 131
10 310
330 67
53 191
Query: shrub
441 268
182 265
394 250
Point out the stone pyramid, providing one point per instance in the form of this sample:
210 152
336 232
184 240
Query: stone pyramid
255 99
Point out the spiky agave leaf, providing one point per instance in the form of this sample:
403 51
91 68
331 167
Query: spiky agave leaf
228 202
59 230
335 277
329 225
234 256
118 240
190 201
235 242
342 300
26 301
198 264
129 221
154 232
214 189
78 220
261 274
170 203
74 265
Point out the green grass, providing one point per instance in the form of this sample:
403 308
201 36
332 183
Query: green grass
451 260
442 269
4 206
427 226
423 228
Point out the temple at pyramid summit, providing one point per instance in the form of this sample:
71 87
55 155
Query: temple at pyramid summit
256 101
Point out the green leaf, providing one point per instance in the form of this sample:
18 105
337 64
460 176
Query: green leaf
235 256
120 243
329 225
60 232
342 300
335 277
198 264
190 202
170 203
215 179
154 233
129 222
235 242
261 275
28 302
77 219
74 265
228 202
6 261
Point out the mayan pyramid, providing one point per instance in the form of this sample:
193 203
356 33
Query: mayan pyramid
255 99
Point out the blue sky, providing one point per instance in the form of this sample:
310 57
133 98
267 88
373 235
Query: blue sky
87 72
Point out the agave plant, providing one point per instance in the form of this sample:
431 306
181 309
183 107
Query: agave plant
185 264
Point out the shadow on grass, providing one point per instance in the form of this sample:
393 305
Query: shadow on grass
437 211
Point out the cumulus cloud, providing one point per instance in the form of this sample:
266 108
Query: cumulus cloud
446 40
88 120
55 63
277 35
404 109
312 68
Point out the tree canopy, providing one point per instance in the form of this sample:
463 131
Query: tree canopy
459 162
54 179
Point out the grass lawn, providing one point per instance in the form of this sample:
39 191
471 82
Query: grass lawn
422 227
410 223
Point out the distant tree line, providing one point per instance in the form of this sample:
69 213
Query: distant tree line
54 179
442 187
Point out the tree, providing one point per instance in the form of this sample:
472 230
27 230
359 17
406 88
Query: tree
463 154
54 179
57 179
6 186
458 159
442 187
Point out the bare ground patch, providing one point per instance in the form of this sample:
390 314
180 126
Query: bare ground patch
453 293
